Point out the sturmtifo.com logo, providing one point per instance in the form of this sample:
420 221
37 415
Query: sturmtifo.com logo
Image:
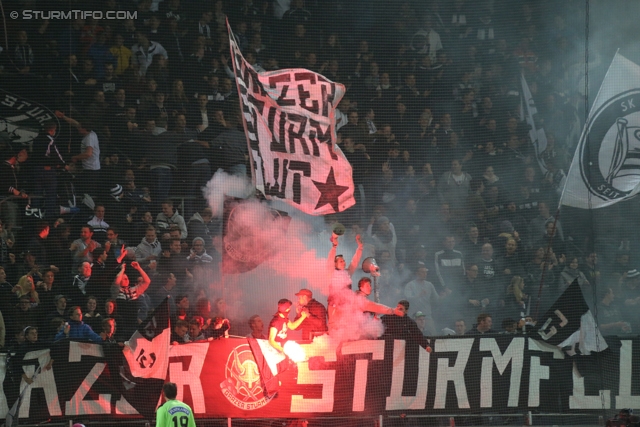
608 170
242 386
73 14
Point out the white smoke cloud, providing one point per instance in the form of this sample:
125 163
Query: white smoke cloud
222 184
288 262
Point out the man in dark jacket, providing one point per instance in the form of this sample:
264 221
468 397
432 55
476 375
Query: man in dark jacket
403 327
232 143
162 156
46 162
316 323
11 186
202 225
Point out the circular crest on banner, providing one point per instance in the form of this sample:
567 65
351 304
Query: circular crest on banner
242 386
610 153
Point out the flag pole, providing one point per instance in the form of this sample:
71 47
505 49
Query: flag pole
545 262
13 416
251 162
244 122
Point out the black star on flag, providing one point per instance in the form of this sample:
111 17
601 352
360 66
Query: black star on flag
330 192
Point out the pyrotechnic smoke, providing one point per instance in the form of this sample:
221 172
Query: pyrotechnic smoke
222 184
287 261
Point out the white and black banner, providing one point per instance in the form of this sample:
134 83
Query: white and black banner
21 119
606 165
290 124
220 379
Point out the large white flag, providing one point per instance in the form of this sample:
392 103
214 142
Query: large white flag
606 165
537 136
289 120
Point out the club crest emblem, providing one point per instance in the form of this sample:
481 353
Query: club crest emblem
242 385
612 171
21 120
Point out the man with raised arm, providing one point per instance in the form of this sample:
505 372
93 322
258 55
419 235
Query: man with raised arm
336 264
128 296
341 301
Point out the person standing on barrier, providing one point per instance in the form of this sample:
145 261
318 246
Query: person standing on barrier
316 323
340 277
280 324
173 413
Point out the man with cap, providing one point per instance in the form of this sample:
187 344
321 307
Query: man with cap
316 322
421 321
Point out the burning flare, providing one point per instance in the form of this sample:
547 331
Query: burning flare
294 351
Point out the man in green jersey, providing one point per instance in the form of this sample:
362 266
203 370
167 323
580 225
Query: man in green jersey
173 413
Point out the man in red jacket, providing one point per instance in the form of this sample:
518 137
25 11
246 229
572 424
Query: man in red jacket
316 323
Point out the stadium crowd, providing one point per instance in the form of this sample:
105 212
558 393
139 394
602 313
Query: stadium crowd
105 217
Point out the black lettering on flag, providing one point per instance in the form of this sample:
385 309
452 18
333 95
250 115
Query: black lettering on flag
281 174
304 95
257 103
305 168
327 97
277 145
316 134
311 77
251 76
299 135
278 190
282 100
252 128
